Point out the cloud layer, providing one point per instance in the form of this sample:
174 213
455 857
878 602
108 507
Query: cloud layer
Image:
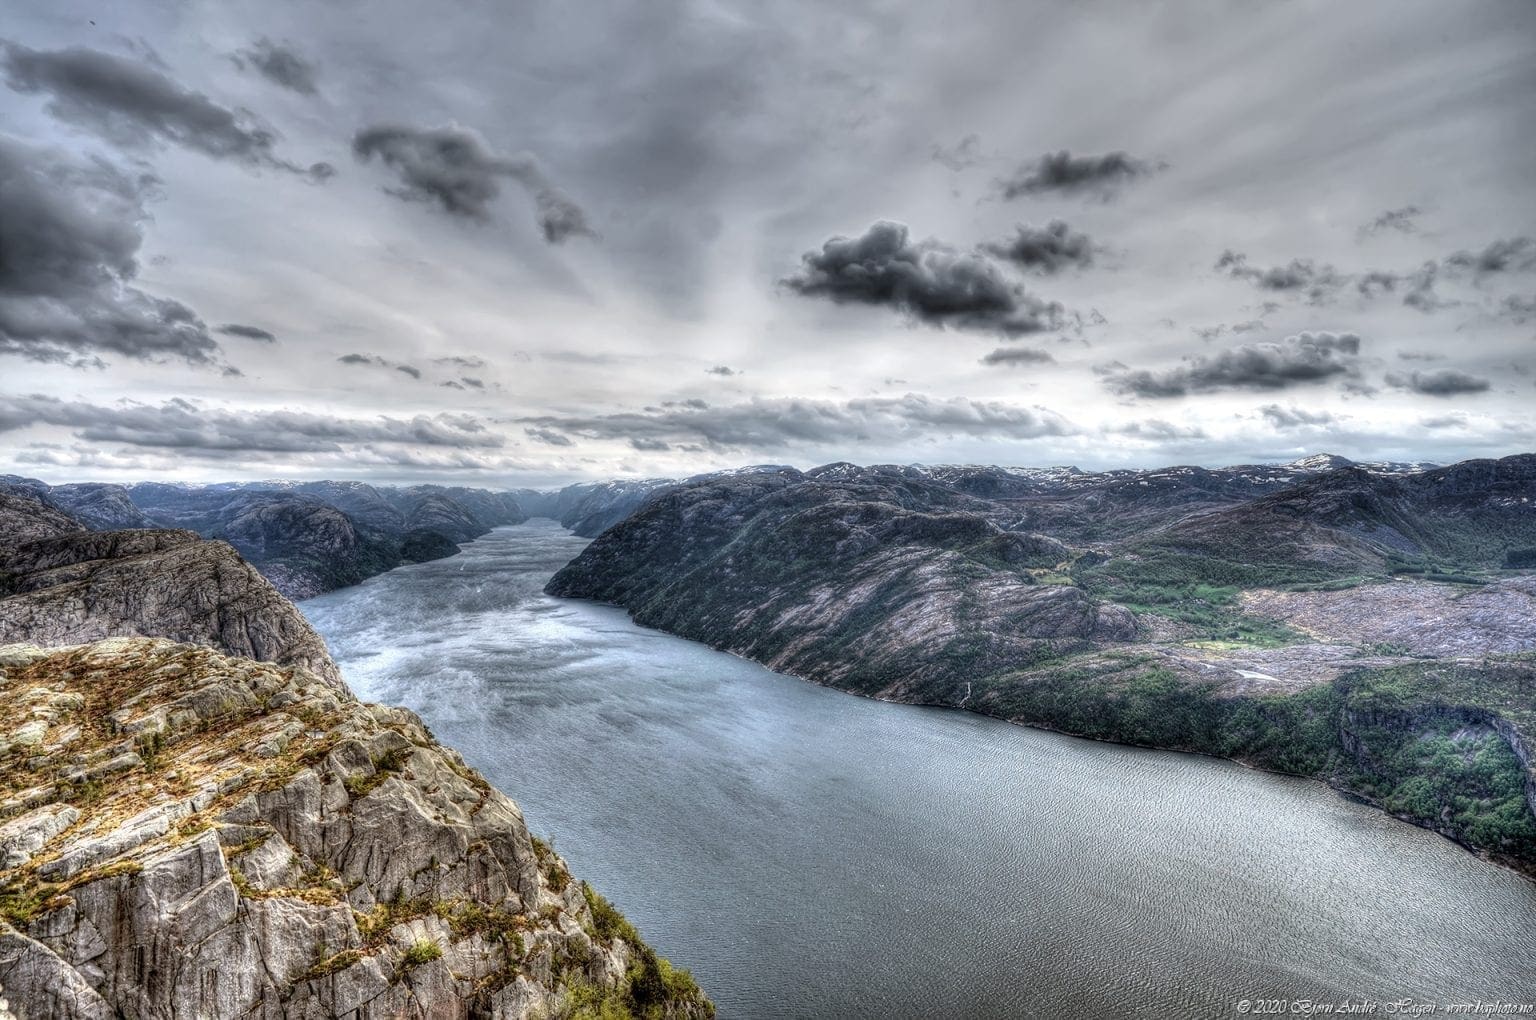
780 423
180 424
279 64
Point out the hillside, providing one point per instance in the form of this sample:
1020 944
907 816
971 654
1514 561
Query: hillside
1244 612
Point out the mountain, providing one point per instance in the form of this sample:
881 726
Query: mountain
590 508
220 828
306 537
1350 622
101 506
74 585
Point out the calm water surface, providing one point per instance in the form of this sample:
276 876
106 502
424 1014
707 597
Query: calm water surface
812 854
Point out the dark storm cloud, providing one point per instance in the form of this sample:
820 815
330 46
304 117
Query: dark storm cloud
131 104
413 372
1322 283
472 382
255 333
1442 382
548 437
763 424
1018 356
722 370
70 232
1399 220
1303 276
1047 249
1295 417
926 280
452 167
181 424
279 64
1064 172
1297 360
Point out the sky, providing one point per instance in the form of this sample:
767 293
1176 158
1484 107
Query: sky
526 244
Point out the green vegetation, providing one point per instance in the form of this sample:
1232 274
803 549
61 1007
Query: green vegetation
394 761
651 990
1210 610
333 964
421 951
467 917
555 873
1421 739
607 923
375 925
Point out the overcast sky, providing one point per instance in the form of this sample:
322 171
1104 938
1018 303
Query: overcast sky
525 244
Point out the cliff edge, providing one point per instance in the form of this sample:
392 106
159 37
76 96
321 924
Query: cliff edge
213 825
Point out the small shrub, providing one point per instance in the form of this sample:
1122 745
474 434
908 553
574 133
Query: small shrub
421 951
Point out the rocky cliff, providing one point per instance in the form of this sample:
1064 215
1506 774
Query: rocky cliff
219 828
80 586
192 834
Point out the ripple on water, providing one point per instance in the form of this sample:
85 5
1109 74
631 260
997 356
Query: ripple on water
812 854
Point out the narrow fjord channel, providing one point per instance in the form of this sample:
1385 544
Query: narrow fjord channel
808 853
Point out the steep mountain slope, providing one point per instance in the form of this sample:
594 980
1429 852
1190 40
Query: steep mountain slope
783 567
1135 606
201 835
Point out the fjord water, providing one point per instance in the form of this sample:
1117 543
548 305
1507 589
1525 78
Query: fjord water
808 853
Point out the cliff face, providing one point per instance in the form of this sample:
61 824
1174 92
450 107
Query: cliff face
191 834
189 830
82 585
